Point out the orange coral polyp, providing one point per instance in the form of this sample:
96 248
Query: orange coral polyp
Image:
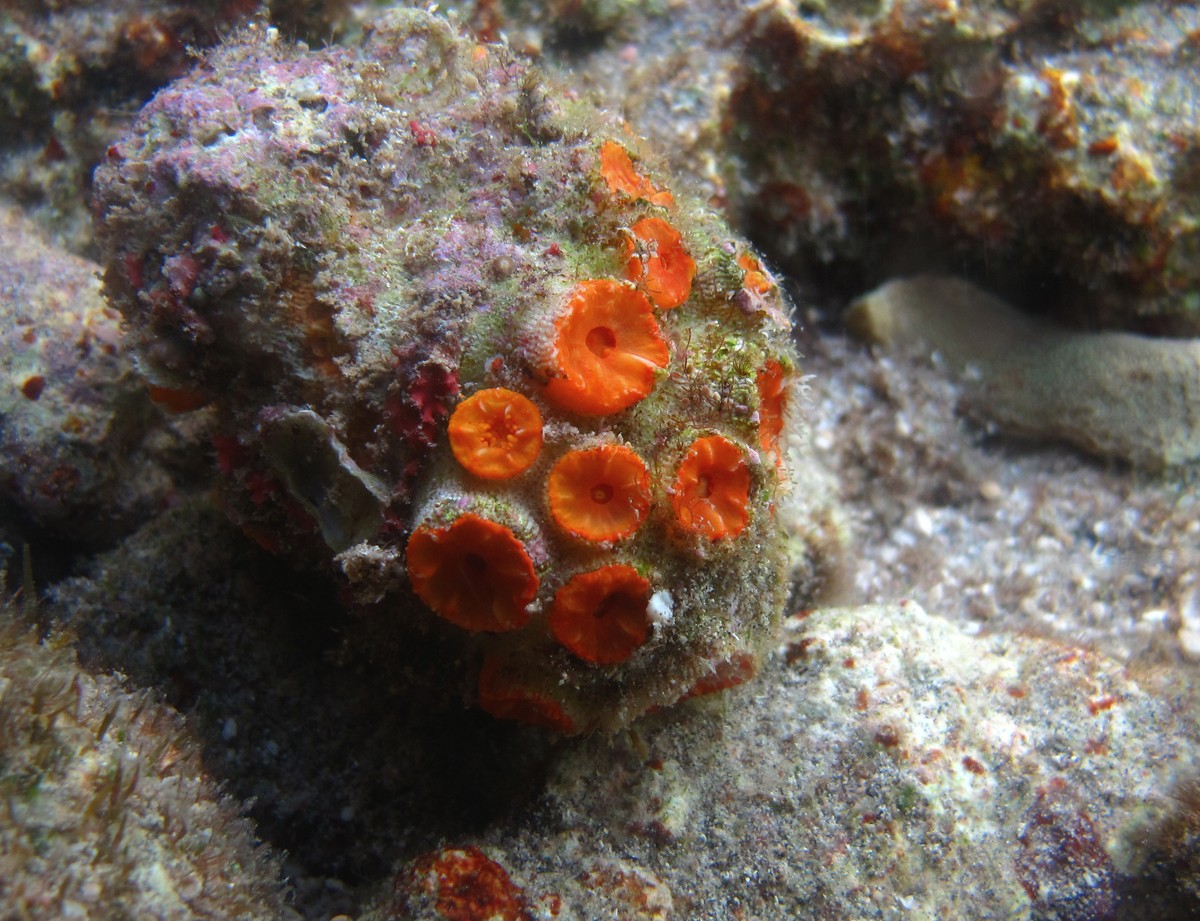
608 347
474 573
738 668
656 260
600 493
506 698
755 278
712 489
601 616
174 400
496 433
622 178
772 404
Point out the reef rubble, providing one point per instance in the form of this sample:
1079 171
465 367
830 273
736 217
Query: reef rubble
219 697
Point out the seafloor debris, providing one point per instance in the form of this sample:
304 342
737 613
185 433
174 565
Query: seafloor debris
860 747
1114 394
346 251
458 883
885 753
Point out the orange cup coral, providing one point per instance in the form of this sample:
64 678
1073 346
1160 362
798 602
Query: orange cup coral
609 348
496 433
474 573
772 403
616 166
712 490
755 279
601 616
600 493
726 673
656 260
506 698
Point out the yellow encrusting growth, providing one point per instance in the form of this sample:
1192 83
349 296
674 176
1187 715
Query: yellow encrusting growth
475 573
496 433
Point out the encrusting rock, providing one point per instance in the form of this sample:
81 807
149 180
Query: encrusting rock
1119 395
84 452
887 766
464 339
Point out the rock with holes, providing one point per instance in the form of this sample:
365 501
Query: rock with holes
471 352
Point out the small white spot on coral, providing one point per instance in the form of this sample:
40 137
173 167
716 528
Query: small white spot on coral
661 609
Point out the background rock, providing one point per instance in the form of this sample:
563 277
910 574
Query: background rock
85 455
888 766
110 812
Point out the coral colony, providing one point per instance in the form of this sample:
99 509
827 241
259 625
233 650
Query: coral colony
465 344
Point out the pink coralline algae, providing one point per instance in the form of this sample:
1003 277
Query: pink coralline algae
469 352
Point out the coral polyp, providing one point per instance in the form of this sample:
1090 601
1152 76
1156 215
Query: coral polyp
496 433
475 573
469 353
609 349
773 396
656 259
712 491
600 493
601 616
503 696
624 179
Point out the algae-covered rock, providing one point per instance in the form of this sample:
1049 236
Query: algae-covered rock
1049 145
887 766
84 452
463 336
109 811
74 72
